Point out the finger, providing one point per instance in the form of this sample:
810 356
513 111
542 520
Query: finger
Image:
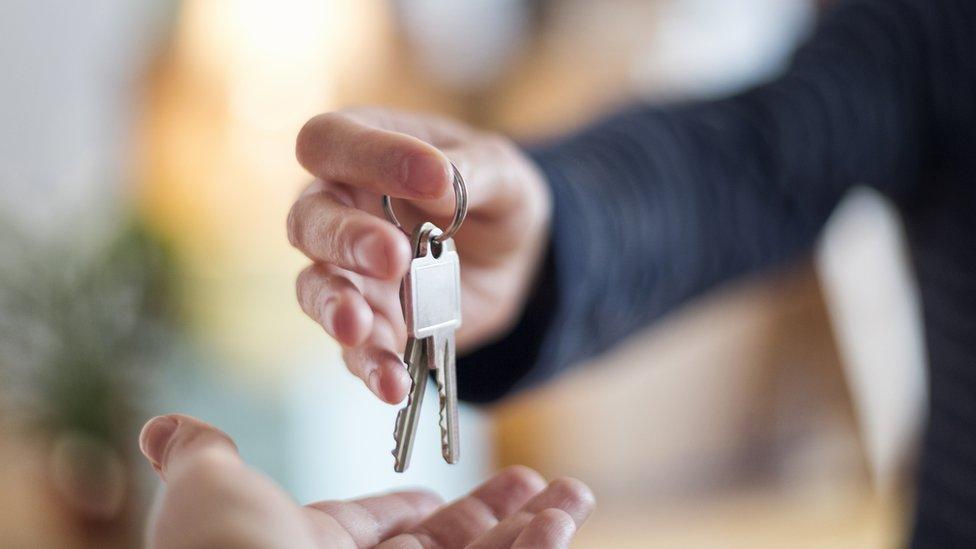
377 363
171 440
212 499
361 324
335 147
382 296
493 174
460 522
570 496
326 230
550 529
336 303
373 519
382 370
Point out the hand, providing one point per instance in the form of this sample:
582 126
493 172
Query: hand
212 499
352 288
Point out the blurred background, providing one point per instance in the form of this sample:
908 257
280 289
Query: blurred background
147 166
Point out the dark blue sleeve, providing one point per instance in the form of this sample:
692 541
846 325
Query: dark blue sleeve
656 205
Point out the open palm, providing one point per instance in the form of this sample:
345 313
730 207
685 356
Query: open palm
213 499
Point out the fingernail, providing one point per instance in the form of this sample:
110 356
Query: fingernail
426 174
370 254
155 437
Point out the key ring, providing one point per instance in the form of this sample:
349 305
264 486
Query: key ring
460 208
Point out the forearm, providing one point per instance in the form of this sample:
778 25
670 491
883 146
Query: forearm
656 205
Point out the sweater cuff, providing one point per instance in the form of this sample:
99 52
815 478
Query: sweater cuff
520 358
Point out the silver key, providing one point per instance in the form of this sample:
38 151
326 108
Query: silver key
432 287
441 350
431 297
440 316
405 429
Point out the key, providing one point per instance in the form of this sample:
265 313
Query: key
434 287
431 298
441 350
405 428
441 319
414 357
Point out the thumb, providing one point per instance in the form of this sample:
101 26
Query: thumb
172 439
493 172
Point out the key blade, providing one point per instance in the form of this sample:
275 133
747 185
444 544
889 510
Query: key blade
405 426
441 346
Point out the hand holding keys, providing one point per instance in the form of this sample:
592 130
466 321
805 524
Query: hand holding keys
358 258
431 298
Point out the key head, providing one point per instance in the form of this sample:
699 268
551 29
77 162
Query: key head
432 286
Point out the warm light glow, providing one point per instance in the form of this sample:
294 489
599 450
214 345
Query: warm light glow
241 79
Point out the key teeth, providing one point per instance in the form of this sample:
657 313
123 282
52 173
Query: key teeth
442 398
398 425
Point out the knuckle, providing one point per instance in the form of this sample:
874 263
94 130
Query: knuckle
303 284
293 224
336 236
307 139
319 232
313 136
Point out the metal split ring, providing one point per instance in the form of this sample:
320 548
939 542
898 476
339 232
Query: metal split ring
460 208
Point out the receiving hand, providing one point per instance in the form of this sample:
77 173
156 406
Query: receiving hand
213 499
352 287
